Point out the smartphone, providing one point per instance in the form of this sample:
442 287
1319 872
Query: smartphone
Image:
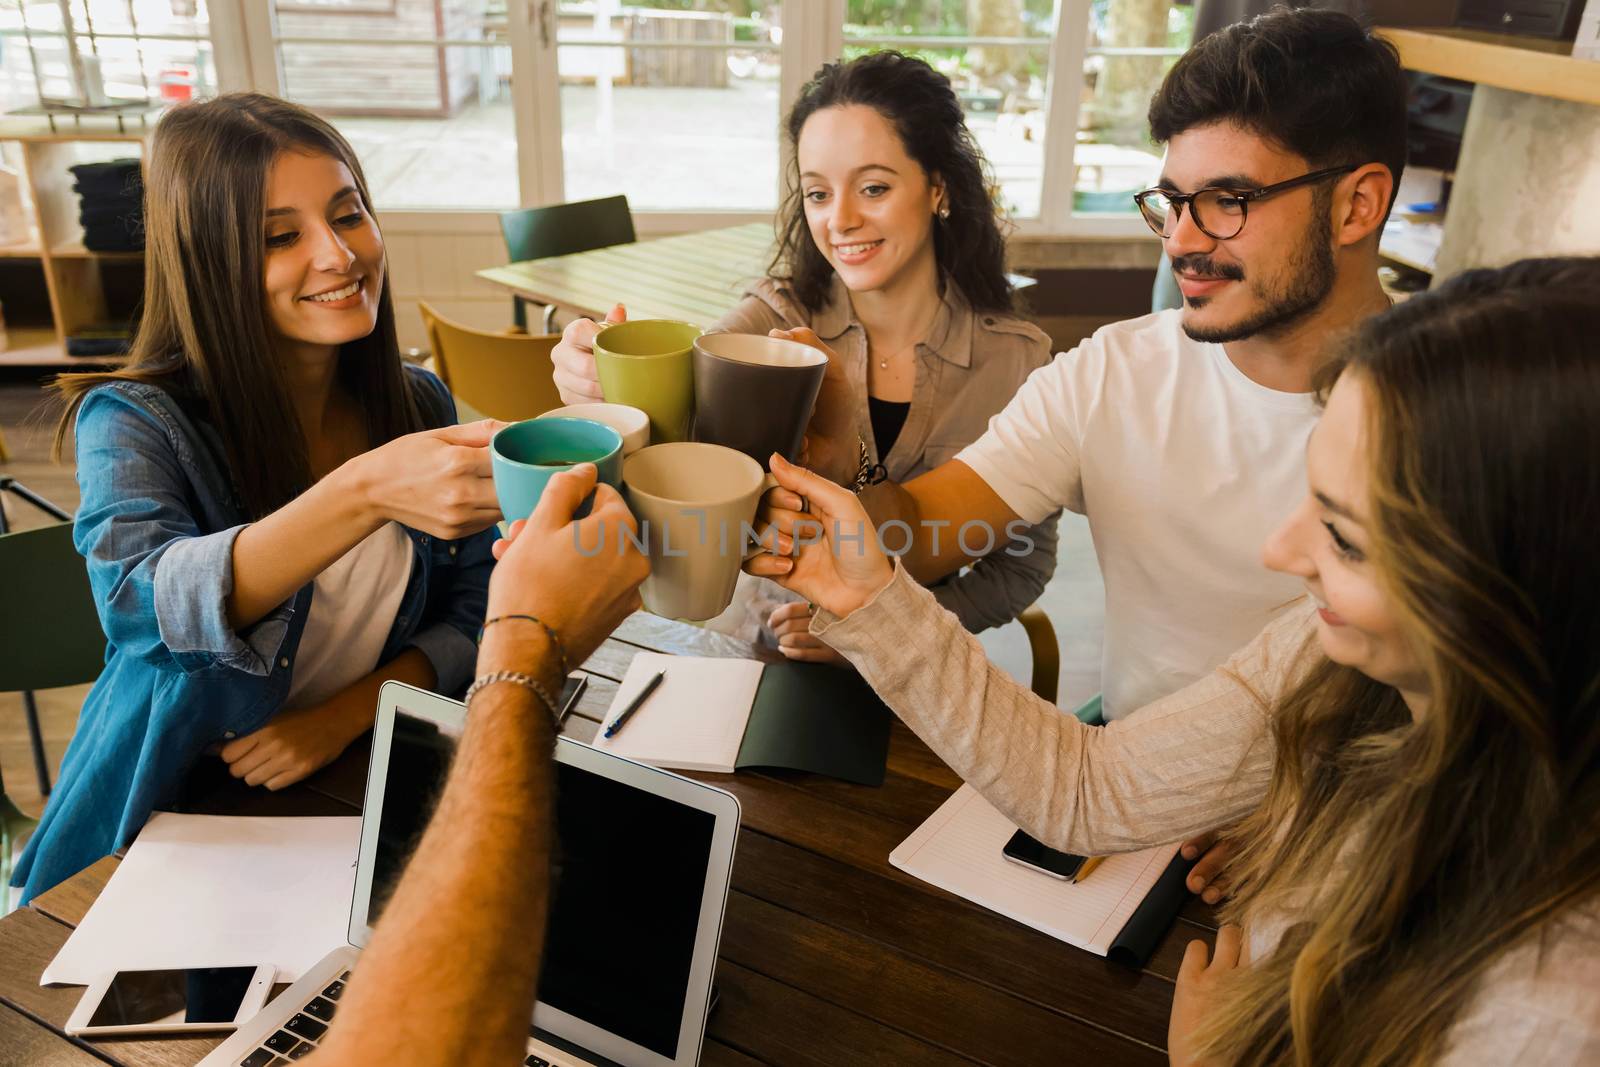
1030 853
571 693
169 1002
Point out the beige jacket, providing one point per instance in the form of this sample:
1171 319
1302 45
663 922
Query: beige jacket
1193 761
968 369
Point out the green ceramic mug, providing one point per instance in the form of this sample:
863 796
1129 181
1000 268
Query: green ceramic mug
648 364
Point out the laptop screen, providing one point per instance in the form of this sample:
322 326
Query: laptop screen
629 874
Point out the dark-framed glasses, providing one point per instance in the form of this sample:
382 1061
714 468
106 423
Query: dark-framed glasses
1218 213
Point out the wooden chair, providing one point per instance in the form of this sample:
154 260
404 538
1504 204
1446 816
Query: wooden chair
503 375
1046 653
49 631
1047 664
5 456
560 230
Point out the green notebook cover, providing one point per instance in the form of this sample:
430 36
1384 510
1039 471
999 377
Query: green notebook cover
817 718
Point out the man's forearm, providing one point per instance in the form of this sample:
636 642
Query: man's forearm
888 502
467 921
928 514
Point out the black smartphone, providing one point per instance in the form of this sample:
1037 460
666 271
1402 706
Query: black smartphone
571 693
1030 853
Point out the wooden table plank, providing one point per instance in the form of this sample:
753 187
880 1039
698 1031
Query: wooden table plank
907 995
979 945
780 1024
24 1041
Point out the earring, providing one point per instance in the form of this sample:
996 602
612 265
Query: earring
944 211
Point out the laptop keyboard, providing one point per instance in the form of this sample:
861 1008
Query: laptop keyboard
298 1037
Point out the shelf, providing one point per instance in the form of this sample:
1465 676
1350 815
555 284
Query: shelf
21 251
1521 64
34 347
75 250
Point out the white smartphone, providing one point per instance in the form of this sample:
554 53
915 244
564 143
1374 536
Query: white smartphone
169 1002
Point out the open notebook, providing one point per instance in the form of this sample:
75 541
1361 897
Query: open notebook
1121 910
719 715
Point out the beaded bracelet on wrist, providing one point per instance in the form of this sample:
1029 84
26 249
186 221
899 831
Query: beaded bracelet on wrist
555 638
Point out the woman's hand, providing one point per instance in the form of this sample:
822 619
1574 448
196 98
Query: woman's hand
1198 985
580 577
575 375
438 481
791 625
296 744
833 444
830 554
1205 877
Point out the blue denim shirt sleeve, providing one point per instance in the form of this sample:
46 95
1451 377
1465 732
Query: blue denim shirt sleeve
160 581
450 639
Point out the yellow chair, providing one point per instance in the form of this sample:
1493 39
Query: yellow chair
504 376
5 457
1046 653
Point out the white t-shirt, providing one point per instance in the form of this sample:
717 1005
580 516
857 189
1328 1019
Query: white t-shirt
1183 467
353 605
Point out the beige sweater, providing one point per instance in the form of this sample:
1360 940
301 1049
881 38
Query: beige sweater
1193 761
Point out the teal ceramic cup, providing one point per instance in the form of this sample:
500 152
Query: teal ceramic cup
526 454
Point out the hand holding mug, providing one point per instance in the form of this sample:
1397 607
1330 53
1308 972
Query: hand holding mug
579 576
829 552
573 356
437 481
832 446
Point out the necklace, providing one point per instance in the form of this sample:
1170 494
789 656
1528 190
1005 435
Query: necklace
883 362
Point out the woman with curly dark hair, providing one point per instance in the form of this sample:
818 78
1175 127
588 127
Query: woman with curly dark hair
891 252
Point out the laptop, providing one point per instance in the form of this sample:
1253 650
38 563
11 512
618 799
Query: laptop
640 883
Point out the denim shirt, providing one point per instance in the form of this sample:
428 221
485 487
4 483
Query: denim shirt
157 522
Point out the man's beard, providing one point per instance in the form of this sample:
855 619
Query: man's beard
1308 279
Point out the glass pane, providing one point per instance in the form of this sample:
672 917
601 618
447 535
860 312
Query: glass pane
431 123
94 53
681 113
1132 45
1002 84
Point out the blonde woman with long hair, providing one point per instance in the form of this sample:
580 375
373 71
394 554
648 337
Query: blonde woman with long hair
1414 755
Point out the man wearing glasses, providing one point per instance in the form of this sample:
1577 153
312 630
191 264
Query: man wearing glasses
1180 435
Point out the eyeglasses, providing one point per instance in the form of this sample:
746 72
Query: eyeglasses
1218 213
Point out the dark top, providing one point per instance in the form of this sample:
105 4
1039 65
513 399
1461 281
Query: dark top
888 416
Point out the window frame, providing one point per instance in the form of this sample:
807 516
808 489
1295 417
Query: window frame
245 41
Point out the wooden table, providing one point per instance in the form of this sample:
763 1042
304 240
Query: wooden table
829 955
693 277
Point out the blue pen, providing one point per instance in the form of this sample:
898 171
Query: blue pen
633 705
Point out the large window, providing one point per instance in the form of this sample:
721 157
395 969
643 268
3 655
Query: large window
674 104
1131 46
422 88
110 60
474 106
996 54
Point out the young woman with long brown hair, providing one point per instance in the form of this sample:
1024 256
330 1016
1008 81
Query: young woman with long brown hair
278 516
890 250
1414 755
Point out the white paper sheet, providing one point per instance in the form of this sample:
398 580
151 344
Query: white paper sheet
217 891
696 718
958 850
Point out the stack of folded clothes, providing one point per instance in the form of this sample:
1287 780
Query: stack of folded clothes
111 199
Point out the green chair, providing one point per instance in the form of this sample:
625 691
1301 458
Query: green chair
49 632
560 230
